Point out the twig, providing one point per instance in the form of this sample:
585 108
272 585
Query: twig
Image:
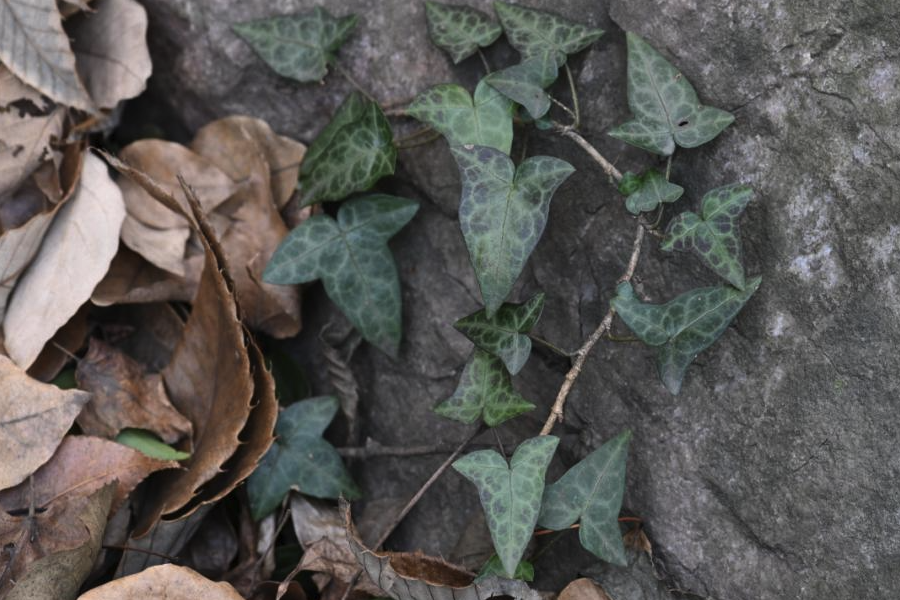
373 448
567 109
577 112
607 166
168 557
346 74
396 112
550 346
484 61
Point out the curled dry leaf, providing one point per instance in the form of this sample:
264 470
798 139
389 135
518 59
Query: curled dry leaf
167 538
111 52
34 417
164 581
133 280
65 343
411 576
124 395
583 589
75 255
81 466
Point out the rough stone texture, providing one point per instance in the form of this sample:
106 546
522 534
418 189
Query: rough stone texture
774 473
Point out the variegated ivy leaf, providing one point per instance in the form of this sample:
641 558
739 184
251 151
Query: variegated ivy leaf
300 459
352 152
647 191
665 106
714 235
524 83
351 257
298 46
503 335
683 327
524 570
459 30
510 495
502 213
485 390
485 121
591 491
534 32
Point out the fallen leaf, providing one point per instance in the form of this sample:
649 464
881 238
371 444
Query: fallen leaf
148 443
340 374
48 556
237 146
164 581
267 590
75 255
111 53
148 333
62 347
34 46
131 279
583 589
413 575
81 466
35 417
124 395
166 539
214 546
314 520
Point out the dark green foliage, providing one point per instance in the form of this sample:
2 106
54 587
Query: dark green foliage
525 82
459 30
647 191
504 334
535 32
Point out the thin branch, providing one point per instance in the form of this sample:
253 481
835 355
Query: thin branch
567 109
550 346
373 448
607 166
577 112
484 61
400 111
346 75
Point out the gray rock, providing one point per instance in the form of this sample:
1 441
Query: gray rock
775 473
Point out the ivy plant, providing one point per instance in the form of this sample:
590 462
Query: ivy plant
460 30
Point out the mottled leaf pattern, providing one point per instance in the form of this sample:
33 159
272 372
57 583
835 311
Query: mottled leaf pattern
524 83
484 390
524 570
682 327
355 150
647 191
485 120
665 106
502 213
510 495
459 30
351 257
298 46
534 32
714 234
503 335
300 459
591 491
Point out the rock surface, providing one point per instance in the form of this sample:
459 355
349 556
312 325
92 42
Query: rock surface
774 473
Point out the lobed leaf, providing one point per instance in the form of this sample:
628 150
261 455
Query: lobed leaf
351 257
647 191
459 30
355 150
298 46
485 120
665 105
484 390
300 459
591 491
535 32
510 494
493 567
503 212
684 326
524 83
503 335
714 235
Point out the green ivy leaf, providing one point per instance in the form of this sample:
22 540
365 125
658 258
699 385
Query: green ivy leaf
524 83
714 236
352 259
448 108
684 326
503 335
534 32
300 459
484 390
148 443
510 495
298 46
592 492
647 191
493 567
503 212
459 30
665 106
355 150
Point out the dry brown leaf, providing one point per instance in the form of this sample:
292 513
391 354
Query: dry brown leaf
80 466
267 590
65 343
214 546
148 333
75 255
34 417
111 52
46 557
583 589
242 147
164 581
125 395
133 280
167 538
152 230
